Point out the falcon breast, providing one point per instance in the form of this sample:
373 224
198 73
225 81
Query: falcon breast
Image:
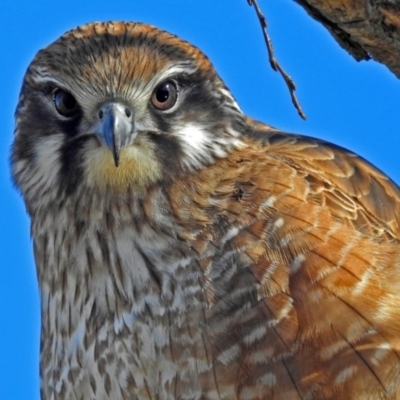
186 251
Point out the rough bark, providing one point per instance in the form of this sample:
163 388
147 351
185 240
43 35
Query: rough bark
365 28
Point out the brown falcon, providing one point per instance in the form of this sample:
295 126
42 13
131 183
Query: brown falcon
186 251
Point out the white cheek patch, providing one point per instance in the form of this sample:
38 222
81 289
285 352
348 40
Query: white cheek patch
47 149
196 143
194 135
47 161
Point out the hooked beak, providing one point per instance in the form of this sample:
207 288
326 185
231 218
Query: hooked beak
115 127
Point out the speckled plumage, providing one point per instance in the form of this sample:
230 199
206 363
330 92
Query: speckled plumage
221 259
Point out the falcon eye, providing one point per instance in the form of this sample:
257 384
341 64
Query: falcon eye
164 96
65 103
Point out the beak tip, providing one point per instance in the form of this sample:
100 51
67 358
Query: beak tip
116 149
116 160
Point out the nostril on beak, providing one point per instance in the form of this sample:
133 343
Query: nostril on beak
128 112
101 114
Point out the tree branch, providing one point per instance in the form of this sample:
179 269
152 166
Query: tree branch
273 61
366 29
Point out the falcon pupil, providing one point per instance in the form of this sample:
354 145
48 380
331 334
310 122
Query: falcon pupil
65 103
69 102
163 93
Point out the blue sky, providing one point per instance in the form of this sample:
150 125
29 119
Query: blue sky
355 105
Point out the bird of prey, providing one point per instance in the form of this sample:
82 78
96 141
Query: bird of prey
187 251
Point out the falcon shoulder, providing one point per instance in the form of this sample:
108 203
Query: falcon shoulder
352 188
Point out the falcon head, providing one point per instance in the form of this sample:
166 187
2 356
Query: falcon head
111 106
